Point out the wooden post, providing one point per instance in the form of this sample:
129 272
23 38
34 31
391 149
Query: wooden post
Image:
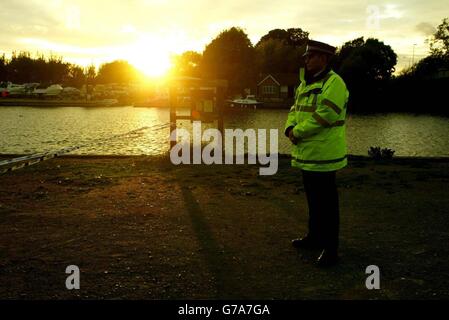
219 105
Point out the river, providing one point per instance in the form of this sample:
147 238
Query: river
25 130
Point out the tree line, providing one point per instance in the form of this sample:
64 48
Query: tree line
420 88
231 56
366 65
23 67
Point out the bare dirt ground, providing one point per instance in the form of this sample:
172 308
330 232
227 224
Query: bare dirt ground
142 228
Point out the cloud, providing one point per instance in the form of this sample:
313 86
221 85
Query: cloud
24 13
86 28
426 28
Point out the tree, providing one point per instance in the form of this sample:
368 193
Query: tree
293 37
90 73
439 54
187 64
360 61
275 56
76 77
20 67
57 70
430 65
439 43
427 75
280 51
366 67
3 68
230 56
118 71
346 50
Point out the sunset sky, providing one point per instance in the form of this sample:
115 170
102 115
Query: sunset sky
145 32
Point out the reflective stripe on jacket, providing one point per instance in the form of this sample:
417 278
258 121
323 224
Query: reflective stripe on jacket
318 120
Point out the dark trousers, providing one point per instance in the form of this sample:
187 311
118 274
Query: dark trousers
324 214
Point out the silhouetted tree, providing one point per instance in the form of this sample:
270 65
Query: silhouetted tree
118 71
427 75
275 56
346 50
22 67
407 91
439 44
429 66
439 55
40 70
76 77
57 70
366 67
187 64
293 37
280 51
369 60
230 56
90 73
3 68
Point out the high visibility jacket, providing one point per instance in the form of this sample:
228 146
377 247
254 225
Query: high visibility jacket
318 121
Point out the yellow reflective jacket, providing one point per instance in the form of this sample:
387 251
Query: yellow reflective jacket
318 120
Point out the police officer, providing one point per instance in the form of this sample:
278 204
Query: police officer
316 127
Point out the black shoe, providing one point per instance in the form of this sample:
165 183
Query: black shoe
305 243
328 258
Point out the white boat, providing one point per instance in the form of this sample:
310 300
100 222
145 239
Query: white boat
250 100
109 102
71 91
53 90
16 89
13 89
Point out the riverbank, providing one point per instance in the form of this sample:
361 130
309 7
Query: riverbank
14 102
141 228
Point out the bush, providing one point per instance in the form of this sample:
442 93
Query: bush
380 154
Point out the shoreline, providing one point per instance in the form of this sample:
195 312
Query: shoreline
54 103
8 102
280 155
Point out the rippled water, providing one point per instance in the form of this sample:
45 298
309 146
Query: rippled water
31 130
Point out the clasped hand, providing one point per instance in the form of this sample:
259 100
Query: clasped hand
292 138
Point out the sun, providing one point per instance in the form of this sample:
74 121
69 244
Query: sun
151 57
152 63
